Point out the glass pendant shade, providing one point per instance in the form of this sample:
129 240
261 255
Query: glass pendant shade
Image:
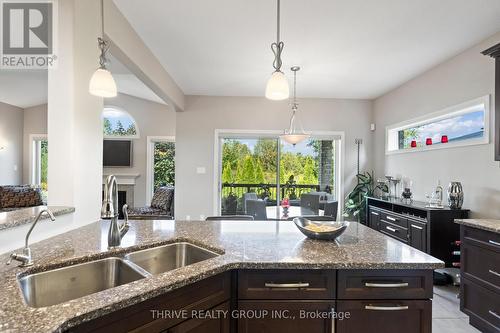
277 87
294 135
102 84
293 139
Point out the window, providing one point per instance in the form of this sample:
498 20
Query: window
39 160
118 123
460 125
160 163
274 170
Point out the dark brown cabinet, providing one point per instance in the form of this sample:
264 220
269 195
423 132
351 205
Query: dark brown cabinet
431 230
480 278
286 316
385 316
216 321
417 232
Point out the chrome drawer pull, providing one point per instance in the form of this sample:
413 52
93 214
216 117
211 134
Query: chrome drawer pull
333 321
286 285
374 213
391 219
494 273
417 227
391 229
494 314
494 243
386 285
386 308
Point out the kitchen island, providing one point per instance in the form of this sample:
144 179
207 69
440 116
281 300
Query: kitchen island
365 273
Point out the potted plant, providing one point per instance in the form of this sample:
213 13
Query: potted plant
355 203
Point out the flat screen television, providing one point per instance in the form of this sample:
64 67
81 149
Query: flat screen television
117 153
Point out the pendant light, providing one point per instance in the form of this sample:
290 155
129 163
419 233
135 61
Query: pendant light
102 83
295 133
277 86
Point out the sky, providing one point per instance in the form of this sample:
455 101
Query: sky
114 116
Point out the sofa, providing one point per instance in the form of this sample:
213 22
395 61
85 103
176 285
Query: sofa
14 197
160 208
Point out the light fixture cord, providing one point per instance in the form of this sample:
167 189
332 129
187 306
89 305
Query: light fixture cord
102 43
277 47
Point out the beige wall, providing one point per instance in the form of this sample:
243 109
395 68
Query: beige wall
196 129
35 122
464 77
153 119
11 138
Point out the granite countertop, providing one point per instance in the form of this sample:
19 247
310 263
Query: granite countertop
15 218
484 224
242 244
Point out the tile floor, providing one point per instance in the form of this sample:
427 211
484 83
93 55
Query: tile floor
446 314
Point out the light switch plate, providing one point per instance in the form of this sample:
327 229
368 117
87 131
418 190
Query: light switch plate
201 170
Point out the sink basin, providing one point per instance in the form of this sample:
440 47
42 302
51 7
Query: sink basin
67 283
168 257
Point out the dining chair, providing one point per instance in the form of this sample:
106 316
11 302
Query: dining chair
331 208
309 204
257 209
248 196
230 218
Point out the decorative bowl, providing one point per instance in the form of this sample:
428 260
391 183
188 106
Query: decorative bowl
312 229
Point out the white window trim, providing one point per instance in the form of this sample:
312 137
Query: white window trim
149 162
220 133
125 137
443 114
32 138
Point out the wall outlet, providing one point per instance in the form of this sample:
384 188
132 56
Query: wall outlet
202 217
188 217
15 167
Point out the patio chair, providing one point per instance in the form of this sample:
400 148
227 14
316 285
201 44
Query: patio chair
331 208
248 196
309 204
230 218
257 209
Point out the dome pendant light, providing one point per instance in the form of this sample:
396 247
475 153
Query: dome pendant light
295 133
277 86
102 83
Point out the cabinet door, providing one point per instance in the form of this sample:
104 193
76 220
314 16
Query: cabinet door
374 219
270 316
385 316
216 320
418 235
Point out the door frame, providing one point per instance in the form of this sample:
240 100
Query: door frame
218 133
150 140
32 138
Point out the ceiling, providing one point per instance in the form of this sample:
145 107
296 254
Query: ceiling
23 88
346 48
27 88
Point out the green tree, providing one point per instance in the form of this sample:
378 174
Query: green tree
107 127
227 174
259 172
246 171
131 130
233 151
120 130
164 164
309 175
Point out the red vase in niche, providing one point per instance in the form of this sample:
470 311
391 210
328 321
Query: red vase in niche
413 144
428 141
444 139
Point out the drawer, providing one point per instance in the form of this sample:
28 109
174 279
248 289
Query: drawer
395 219
384 284
396 316
393 231
481 265
480 237
481 305
286 284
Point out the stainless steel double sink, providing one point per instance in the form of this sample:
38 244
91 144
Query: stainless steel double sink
71 282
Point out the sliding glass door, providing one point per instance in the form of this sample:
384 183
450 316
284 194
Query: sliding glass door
265 167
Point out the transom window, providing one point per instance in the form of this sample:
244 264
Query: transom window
460 125
118 123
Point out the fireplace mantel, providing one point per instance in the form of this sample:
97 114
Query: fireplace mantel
123 178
